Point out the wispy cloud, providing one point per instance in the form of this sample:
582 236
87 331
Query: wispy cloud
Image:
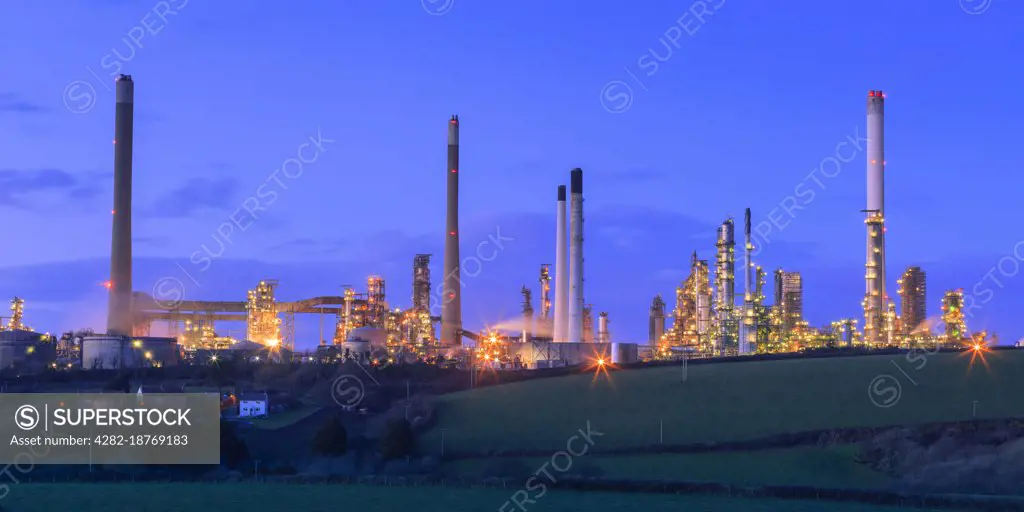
194 195
17 185
10 102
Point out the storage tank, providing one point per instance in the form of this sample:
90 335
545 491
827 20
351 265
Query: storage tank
26 350
624 353
364 342
117 352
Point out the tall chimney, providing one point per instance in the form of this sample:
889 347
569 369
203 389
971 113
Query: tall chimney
561 273
875 297
119 306
575 334
451 307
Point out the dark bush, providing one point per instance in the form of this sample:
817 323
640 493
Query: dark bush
233 452
331 439
121 384
398 440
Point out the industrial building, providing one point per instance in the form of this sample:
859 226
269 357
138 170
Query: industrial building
955 330
913 304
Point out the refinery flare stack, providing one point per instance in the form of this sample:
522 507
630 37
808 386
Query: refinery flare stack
451 305
119 308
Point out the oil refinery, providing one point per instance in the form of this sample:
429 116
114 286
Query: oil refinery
706 320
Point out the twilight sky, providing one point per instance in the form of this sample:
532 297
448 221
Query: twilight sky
679 118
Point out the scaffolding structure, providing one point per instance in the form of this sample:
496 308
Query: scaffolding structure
16 322
691 318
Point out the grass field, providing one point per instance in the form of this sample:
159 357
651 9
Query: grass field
811 466
331 498
723 402
279 420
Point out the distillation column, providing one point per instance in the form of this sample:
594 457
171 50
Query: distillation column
725 283
748 336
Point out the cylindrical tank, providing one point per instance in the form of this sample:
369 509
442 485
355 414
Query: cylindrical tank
623 353
358 350
116 352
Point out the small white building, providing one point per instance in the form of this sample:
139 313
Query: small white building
252 405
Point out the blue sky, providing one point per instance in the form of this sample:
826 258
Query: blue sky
745 102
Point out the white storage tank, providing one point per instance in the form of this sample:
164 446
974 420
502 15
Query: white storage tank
624 353
117 352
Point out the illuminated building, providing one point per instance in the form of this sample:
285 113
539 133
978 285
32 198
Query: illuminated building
953 316
913 305
262 324
691 318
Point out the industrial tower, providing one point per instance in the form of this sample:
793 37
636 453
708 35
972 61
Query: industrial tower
544 322
748 329
527 314
912 290
953 316
656 327
576 303
561 321
119 306
725 284
451 304
875 298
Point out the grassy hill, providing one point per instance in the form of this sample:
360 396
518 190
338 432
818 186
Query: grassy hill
729 402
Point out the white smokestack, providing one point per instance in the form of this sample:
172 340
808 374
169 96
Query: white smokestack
561 329
576 256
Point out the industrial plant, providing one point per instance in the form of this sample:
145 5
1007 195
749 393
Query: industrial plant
707 318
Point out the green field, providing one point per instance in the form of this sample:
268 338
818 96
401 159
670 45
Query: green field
810 466
723 402
332 498
279 420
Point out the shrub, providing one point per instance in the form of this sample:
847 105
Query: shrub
233 451
331 439
398 440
